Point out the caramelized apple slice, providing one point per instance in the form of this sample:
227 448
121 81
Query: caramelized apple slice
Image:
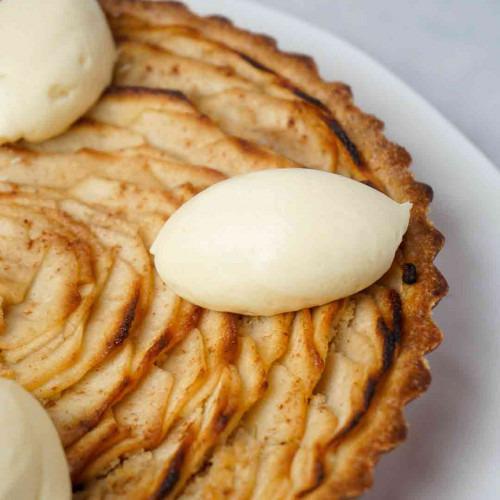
170 123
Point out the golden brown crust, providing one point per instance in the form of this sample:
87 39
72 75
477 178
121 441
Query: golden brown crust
383 426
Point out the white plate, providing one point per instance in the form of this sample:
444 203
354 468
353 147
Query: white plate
453 449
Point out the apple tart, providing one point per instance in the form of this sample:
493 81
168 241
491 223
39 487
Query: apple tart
154 397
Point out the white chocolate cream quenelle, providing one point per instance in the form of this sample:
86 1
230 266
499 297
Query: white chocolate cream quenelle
32 461
279 240
56 58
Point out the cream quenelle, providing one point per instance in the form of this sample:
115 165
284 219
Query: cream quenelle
32 461
279 240
57 57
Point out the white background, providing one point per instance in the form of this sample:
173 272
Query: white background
447 50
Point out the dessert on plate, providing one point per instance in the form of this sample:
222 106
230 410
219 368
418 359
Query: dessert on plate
156 397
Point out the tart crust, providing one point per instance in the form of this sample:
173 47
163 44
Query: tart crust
152 396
